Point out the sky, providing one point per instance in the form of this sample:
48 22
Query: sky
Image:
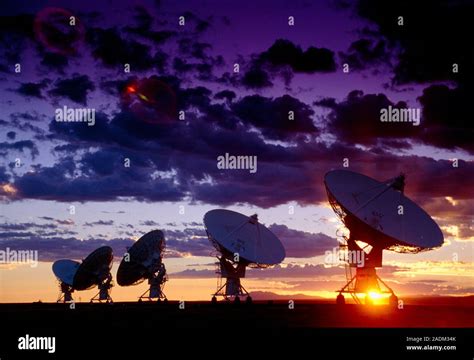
161 77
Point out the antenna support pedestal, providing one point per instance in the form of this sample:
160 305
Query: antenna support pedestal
232 288
157 284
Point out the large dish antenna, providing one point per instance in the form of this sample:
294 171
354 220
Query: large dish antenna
379 217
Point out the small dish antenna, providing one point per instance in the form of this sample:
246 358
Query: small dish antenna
94 270
144 261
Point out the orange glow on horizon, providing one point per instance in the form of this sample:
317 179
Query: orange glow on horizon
377 298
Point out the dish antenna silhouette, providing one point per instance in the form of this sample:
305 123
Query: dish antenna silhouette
144 261
94 270
241 241
379 217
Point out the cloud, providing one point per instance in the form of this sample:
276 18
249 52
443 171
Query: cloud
421 39
25 226
366 53
99 223
454 216
149 223
188 242
54 61
58 221
31 89
303 244
228 95
447 118
273 116
55 183
356 119
57 247
285 53
75 88
113 50
21 145
289 271
53 243
256 78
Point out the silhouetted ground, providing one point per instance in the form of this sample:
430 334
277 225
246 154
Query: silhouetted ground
262 314
310 324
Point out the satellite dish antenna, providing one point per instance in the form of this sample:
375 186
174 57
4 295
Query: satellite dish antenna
64 270
241 241
379 217
94 270
144 261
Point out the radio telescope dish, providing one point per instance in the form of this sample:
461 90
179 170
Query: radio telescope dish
64 270
241 241
144 261
381 216
94 270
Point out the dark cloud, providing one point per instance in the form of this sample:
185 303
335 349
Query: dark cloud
75 88
271 116
21 145
18 24
11 135
454 216
31 89
99 223
59 247
15 31
102 162
196 49
25 226
58 244
113 50
356 119
365 53
303 244
422 39
447 118
149 223
56 183
444 120
4 177
143 27
26 122
228 95
54 61
311 60
200 25
57 221
201 69
256 78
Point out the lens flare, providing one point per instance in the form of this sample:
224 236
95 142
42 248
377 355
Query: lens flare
58 30
151 100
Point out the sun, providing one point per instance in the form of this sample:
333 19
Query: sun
375 295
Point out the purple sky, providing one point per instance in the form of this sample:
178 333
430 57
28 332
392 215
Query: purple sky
173 163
